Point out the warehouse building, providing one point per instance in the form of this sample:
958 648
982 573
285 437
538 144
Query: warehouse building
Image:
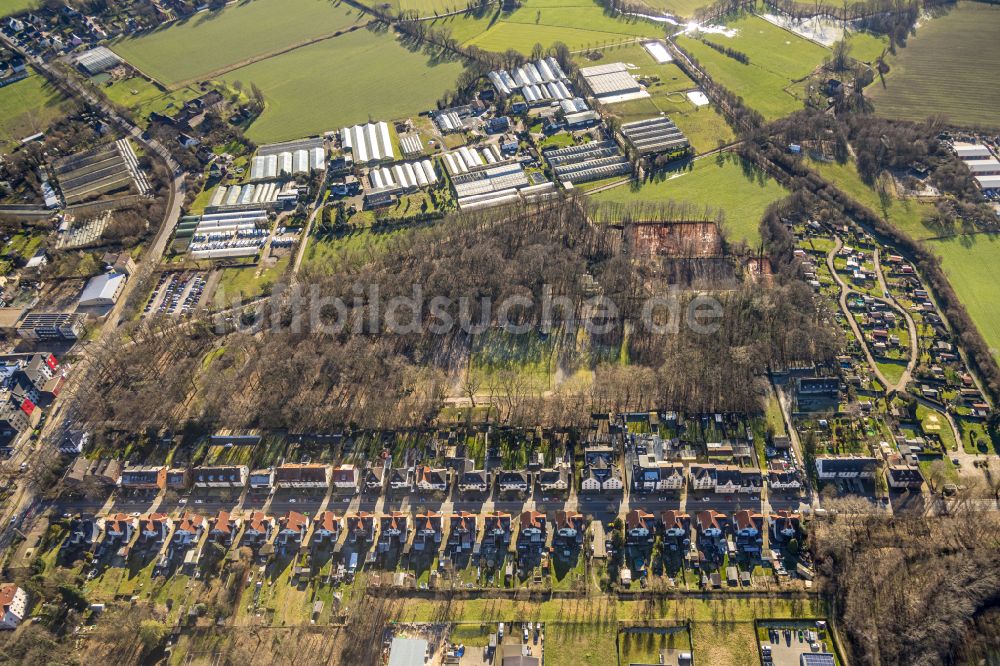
653 136
587 162
368 143
612 83
982 163
98 60
103 290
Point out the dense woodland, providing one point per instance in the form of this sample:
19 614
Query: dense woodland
914 591
293 371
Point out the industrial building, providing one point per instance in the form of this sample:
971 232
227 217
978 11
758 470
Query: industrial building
612 83
368 143
402 176
587 162
98 60
103 290
653 136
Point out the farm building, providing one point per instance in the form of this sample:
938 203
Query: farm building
982 163
654 136
253 195
497 184
87 175
467 159
538 81
587 162
368 143
287 163
411 145
658 52
449 121
98 60
103 290
226 234
402 176
612 83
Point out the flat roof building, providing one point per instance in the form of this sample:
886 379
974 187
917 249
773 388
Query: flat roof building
407 651
612 83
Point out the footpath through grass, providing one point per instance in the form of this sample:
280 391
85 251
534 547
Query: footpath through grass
948 68
354 78
209 41
741 191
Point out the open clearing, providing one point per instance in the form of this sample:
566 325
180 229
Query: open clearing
742 195
577 23
777 59
947 69
211 41
341 81
27 107
143 97
907 215
972 264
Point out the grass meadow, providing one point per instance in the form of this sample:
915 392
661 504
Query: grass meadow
743 195
8 7
946 69
354 78
210 42
678 8
704 126
907 215
777 59
577 23
971 263
27 107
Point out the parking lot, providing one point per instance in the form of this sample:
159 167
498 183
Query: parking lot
176 294
789 640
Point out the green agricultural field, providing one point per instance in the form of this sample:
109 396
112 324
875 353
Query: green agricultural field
375 77
906 215
210 42
778 58
8 7
741 195
947 69
867 47
27 107
464 27
577 23
678 8
971 262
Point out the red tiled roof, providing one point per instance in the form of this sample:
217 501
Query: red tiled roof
293 520
532 519
327 522
190 522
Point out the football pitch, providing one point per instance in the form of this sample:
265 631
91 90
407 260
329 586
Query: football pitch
946 70
209 42
354 78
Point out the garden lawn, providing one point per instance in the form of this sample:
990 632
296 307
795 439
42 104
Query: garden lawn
8 7
350 79
972 264
948 68
907 215
577 23
742 195
210 42
777 59
27 107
